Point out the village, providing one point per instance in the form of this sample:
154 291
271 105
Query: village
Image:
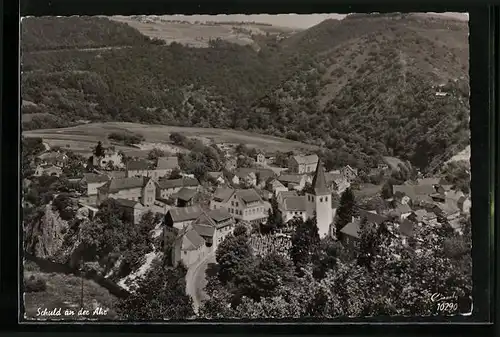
200 214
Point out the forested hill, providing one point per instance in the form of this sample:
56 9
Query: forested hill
49 33
363 87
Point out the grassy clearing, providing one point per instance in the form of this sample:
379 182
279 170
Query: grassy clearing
83 136
64 291
197 35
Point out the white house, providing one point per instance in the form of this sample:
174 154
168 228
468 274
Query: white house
293 207
91 182
303 164
242 204
189 248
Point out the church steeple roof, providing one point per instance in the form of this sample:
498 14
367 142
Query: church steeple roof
319 180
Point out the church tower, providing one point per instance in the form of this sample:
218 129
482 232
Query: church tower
319 201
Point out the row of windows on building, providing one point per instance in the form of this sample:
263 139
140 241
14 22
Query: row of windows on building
321 199
247 212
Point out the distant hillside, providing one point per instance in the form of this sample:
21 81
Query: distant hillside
363 87
47 33
199 34
370 87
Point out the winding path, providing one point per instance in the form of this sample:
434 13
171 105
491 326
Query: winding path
196 280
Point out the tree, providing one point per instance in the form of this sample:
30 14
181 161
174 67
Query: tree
275 219
325 258
231 256
65 206
305 241
99 150
387 190
244 161
346 210
369 242
175 174
240 230
160 294
155 153
177 138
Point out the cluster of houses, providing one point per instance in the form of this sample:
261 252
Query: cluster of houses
242 195
250 205
427 202
50 163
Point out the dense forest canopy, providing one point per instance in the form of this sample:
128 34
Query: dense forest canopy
362 90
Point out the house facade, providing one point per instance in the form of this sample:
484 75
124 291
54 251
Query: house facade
133 208
260 159
141 189
48 169
110 157
138 168
189 248
302 164
214 226
166 188
242 204
53 158
293 181
293 207
165 166
91 182
349 173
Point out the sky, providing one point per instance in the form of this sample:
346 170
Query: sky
284 20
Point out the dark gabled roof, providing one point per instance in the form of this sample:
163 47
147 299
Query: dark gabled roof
174 183
294 204
185 213
137 165
248 196
191 240
127 203
264 173
372 217
420 214
119 184
415 192
90 178
223 194
351 229
185 194
167 163
244 172
290 178
319 180
448 208
403 208
287 194
311 159
406 227
219 214
333 177
204 229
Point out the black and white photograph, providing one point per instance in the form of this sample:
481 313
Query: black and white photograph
245 167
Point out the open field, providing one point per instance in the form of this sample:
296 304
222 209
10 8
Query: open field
80 138
64 291
196 35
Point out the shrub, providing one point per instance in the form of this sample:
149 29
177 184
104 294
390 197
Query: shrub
34 284
126 137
